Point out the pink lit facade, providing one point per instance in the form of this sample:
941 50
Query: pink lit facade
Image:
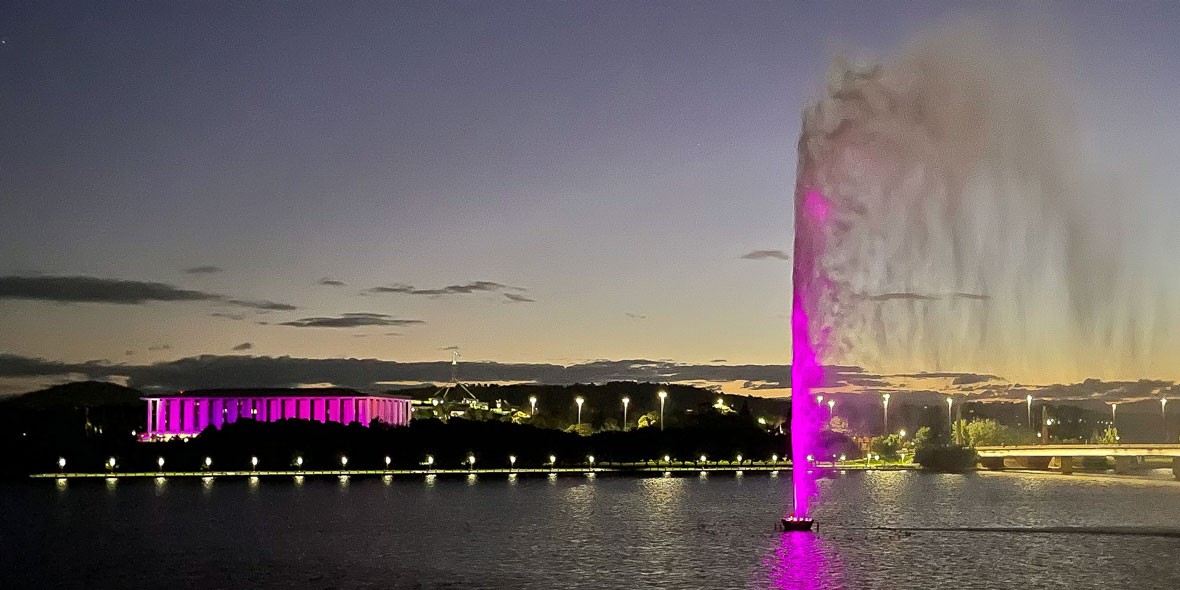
188 413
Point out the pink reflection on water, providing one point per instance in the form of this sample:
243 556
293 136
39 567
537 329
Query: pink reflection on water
801 562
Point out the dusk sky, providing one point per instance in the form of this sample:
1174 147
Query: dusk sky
544 183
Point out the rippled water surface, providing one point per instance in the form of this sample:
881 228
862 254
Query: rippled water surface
579 532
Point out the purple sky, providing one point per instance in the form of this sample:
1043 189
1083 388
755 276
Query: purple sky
586 177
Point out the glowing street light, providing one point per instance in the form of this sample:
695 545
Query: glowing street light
61 463
511 461
885 402
388 460
1028 401
343 461
901 433
1114 415
160 463
429 461
831 408
739 459
663 396
579 400
253 463
208 462
299 462
626 402
667 458
552 460
591 460
774 458
704 459
1164 416
532 405
819 399
471 461
111 463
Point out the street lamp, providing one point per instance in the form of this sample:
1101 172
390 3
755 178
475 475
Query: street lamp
668 459
1028 400
532 405
663 396
552 460
579 400
343 462
739 459
1164 416
950 415
591 460
704 459
471 461
626 401
885 402
831 408
253 463
774 458
1114 415
388 460
511 461
160 463
819 399
208 462
901 433
61 463
429 461
299 462
111 463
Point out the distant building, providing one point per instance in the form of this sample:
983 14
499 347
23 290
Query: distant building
187 413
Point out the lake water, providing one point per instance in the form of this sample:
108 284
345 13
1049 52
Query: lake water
578 532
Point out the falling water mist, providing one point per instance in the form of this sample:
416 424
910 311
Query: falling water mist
945 220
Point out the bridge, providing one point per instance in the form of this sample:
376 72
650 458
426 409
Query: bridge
1126 456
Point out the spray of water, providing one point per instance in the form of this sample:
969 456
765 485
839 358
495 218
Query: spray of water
945 220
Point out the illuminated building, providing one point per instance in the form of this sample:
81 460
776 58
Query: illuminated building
187 413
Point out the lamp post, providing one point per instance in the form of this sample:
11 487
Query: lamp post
1028 400
532 405
591 460
388 460
663 396
950 416
579 400
885 403
1164 417
61 464
511 462
299 462
471 462
253 463
343 462
208 462
159 463
626 401
831 409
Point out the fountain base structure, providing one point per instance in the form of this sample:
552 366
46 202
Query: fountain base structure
796 524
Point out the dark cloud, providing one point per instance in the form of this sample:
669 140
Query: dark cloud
449 348
374 374
330 282
635 316
244 346
971 378
975 296
228 316
160 347
351 320
464 289
904 296
718 361
766 255
203 270
81 289
518 298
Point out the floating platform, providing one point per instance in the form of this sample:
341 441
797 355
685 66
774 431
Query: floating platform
791 523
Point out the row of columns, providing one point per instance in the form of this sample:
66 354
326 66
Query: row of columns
167 416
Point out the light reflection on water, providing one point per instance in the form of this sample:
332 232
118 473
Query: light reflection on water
573 531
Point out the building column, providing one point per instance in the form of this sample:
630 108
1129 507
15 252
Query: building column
1123 465
1176 467
159 416
1066 465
